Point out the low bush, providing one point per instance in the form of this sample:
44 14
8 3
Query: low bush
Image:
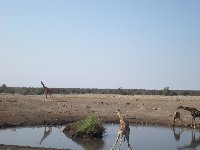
90 127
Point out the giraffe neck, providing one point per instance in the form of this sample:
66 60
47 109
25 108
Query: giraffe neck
121 119
192 109
122 122
43 85
194 112
187 108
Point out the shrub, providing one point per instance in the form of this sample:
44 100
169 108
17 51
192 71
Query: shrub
166 91
90 127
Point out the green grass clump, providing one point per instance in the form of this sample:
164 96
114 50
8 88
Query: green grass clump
90 127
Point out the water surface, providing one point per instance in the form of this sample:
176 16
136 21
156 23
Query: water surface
141 138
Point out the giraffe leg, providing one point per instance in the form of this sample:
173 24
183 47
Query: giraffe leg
198 123
192 121
116 142
174 121
121 136
127 139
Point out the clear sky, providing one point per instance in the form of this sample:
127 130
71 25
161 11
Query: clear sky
145 44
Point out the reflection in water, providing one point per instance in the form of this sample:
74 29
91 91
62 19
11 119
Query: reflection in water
88 144
193 144
13 129
155 138
46 133
177 134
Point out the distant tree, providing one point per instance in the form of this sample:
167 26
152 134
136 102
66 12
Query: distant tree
166 91
121 91
37 91
4 88
11 90
185 93
25 91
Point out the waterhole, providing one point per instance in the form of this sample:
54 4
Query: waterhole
140 138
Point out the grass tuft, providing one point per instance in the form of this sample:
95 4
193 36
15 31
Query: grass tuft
90 127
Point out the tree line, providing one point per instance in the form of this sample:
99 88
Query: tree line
39 91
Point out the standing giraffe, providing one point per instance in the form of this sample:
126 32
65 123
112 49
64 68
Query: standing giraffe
194 113
46 90
123 130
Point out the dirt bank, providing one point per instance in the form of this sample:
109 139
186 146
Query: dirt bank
15 147
17 110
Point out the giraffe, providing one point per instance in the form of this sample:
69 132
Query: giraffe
194 112
123 130
177 115
46 90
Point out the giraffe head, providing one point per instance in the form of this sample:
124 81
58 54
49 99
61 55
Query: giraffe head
118 112
177 115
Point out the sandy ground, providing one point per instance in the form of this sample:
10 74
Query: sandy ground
18 110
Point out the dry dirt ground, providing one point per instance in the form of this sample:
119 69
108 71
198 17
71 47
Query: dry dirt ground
18 110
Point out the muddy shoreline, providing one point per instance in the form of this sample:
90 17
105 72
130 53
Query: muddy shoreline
20 111
15 147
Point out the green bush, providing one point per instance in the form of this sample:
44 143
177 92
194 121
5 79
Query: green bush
90 127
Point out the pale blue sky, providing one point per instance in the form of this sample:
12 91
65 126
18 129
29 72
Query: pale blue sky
100 43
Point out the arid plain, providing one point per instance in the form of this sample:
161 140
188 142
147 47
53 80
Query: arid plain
18 110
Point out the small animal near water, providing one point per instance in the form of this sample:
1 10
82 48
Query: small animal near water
87 108
123 130
195 113
47 91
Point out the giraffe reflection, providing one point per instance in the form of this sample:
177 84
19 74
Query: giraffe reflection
46 133
123 130
194 142
177 134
